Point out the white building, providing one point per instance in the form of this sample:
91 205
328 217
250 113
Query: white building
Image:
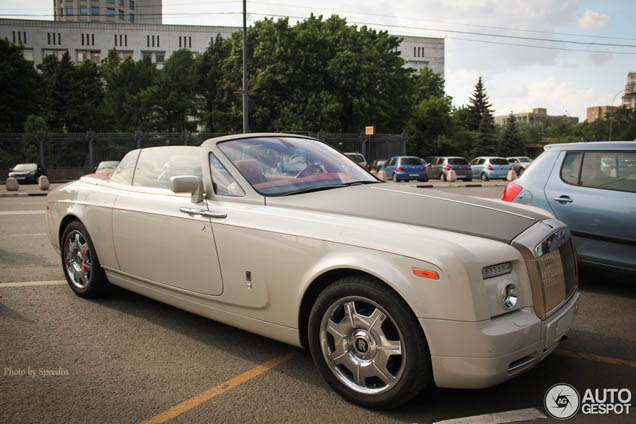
110 11
86 40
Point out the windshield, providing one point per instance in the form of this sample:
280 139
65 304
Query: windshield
410 161
457 161
499 161
525 160
277 166
25 167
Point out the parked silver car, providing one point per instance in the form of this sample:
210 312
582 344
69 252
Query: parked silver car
592 188
442 165
389 287
520 163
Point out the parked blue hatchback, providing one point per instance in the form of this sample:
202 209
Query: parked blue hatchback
592 188
405 168
490 167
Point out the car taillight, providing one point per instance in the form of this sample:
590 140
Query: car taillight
447 168
488 167
399 169
510 192
424 169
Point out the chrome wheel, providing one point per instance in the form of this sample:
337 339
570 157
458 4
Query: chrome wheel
362 345
77 259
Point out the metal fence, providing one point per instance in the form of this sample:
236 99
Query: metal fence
85 151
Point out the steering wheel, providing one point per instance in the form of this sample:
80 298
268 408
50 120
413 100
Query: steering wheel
305 172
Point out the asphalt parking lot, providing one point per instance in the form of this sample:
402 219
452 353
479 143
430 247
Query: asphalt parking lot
126 358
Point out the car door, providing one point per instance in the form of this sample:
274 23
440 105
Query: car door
597 200
161 237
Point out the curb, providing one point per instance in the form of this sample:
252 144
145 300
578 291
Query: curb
22 194
459 185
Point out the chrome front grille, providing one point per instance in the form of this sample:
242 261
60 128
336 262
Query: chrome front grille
547 250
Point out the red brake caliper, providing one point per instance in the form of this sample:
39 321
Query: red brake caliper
85 261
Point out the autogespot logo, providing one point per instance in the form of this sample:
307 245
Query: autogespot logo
562 401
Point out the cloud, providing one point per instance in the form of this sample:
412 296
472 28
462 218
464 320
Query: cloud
593 21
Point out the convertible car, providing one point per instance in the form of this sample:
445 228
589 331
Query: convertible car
391 288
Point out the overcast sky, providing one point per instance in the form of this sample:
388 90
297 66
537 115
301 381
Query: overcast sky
563 55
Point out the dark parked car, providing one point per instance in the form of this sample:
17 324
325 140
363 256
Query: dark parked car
27 172
405 168
592 188
443 164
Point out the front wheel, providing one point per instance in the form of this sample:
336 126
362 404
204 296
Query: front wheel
367 344
80 263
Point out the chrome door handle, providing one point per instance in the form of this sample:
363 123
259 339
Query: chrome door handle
564 199
203 212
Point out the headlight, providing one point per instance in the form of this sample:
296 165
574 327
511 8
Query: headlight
496 270
510 296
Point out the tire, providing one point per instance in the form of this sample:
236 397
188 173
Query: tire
80 264
383 323
469 179
484 177
521 171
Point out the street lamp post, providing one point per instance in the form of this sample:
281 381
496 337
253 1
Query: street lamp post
245 120
611 118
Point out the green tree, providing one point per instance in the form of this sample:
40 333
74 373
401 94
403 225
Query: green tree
427 84
429 126
511 142
486 138
35 133
478 108
126 107
174 97
62 102
20 86
90 93
214 88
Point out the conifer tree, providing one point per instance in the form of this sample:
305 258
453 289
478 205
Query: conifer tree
511 142
478 107
486 142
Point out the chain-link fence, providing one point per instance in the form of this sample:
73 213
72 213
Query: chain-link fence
82 152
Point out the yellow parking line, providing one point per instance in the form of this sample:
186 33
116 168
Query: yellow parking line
597 358
197 400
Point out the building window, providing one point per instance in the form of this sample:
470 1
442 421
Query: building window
126 40
147 41
82 39
92 39
414 51
121 15
158 41
115 40
189 42
83 10
69 11
121 2
160 58
131 18
131 4
146 56
110 12
95 10
110 1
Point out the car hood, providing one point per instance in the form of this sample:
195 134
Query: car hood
496 220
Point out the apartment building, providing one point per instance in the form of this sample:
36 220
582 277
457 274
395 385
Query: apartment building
91 40
109 11
538 114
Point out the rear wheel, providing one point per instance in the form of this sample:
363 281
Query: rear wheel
395 178
367 344
521 171
79 261
484 177
442 177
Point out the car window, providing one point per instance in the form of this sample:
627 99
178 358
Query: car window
355 157
474 161
157 164
609 170
570 168
525 160
457 161
440 161
499 161
124 172
222 182
513 160
392 162
481 161
410 161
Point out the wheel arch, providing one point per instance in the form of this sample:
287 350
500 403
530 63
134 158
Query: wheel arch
65 223
324 280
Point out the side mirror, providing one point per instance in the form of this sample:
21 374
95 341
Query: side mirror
188 184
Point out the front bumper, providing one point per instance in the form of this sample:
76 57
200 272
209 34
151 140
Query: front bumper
472 355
